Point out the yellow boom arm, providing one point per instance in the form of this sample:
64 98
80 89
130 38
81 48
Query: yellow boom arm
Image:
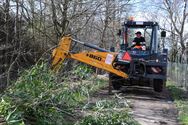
102 60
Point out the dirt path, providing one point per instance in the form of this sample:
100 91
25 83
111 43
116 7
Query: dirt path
149 108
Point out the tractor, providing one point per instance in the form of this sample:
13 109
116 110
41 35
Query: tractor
145 67
127 66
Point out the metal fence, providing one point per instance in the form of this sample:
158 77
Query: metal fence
178 73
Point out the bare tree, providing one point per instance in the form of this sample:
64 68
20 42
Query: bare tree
177 10
33 26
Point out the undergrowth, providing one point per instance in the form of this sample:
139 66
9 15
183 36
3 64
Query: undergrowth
38 98
108 112
109 118
181 100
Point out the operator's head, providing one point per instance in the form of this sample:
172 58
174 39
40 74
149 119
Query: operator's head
138 34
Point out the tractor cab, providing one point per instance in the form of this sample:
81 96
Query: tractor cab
149 31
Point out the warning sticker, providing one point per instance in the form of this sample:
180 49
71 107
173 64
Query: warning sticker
109 59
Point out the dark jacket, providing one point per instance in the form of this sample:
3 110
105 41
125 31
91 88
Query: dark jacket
138 41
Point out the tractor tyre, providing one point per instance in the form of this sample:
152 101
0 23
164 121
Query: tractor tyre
158 85
116 81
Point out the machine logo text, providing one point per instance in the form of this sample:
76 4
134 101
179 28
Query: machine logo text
94 57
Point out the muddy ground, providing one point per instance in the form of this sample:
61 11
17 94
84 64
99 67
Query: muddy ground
148 107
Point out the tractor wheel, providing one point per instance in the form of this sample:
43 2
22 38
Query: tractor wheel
158 85
116 81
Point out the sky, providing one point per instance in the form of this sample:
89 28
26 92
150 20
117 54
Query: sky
143 8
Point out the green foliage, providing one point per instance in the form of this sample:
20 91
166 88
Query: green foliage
109 112
107 104
13 115
35 94
37 97
83 71
181 101
109 118
176 92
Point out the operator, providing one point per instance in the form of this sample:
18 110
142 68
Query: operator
139 42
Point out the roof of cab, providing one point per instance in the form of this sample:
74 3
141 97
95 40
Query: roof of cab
140 23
